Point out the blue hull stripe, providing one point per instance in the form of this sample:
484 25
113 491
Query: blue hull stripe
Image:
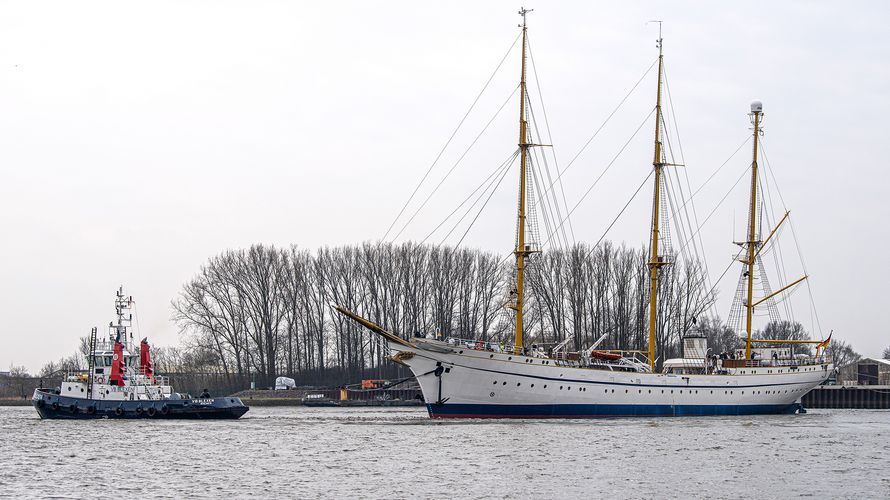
599 411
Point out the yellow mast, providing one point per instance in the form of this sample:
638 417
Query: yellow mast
757 112
521 251
654 262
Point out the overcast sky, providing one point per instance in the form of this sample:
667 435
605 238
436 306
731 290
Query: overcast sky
139 139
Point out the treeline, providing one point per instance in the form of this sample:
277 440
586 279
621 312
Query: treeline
262 312
266 311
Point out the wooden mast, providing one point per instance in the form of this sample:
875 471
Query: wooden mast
756 112
654 261
521 250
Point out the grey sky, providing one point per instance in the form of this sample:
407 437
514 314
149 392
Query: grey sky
137 140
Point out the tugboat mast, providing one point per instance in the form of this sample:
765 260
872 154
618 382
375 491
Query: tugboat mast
521 251
655 262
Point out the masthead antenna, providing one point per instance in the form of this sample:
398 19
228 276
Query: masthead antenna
657 42
522 12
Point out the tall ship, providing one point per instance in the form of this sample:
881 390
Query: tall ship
479 379
120 383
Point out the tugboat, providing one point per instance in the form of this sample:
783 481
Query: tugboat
120 383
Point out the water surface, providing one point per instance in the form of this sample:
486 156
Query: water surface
400 453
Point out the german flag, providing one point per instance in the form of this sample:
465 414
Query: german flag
824 343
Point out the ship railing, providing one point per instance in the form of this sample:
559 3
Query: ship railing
773 362
139 377
480 345
77 376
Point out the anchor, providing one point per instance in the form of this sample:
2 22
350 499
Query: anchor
438 373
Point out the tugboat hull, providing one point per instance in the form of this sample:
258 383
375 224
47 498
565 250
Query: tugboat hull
56 406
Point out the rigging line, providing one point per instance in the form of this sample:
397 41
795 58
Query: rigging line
767 197
612 162
548 200
814 311
542 193
549 221
598 130
550 138
438 156
700 259
620 213
717 171
473 222
447 174
728 267
736 183
703 256
494 173
778 254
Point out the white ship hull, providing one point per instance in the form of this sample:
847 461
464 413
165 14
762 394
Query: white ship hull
466 383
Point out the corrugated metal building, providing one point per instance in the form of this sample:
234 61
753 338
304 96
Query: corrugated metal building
866 371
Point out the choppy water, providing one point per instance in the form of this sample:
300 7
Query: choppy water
399 453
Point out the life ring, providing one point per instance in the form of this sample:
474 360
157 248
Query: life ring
91 409
100 379
152 411
118 411
165 409
139 410
55 406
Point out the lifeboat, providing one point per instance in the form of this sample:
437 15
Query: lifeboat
608 356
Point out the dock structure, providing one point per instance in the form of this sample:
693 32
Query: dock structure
866 397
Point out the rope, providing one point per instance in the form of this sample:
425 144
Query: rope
497 170
595 182
436 160
550 140
447 174
620 213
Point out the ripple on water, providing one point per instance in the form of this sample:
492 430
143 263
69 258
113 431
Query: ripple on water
399 452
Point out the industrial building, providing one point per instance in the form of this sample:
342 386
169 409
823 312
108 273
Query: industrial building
866 371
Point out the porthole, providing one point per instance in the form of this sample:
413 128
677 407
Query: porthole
613 391
509 358
640 391
504 383
517 384
491 355
69 388
460 352
495 382
672 391
545 386
607 391
533 385
560 388
625 391
650 391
